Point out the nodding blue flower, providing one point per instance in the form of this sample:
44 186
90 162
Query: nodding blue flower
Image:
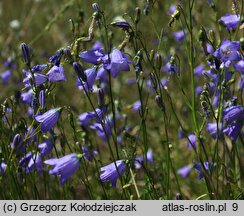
102 75
31 162
88 153
192 141
85 118
239 66
117 61
121 24
136 106
139 160
104 132
97 46
233 113
38 68
17 144
213 130
27 97
48 119
208 166
230 21
172 9
179 36
111 173
64 166
164 83
45 147
185 171
170 68
228 52
92 56
91 74
6 76
56 74
3 166
234 130
198 71
39 79
79 71
55 59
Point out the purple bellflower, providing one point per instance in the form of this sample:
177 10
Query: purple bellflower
91 74
185 171
179 36
31 162
192 141
39 79
239 66
228 52
233 113
48 119
110 173
45 147
6 75
3 166
212 129
136 106
92 56
208 166
88 153
108 124
118 62
139 160
230 21
56 74
27 97
64 166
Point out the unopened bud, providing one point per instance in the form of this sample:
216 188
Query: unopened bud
178 196
154 80
202 35
26 54
158 61
42 99
100 97
152 54
68 54
159 102
96 7
80 71
138 15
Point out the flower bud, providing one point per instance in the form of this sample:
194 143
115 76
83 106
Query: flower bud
158 61
42 99
159 102
96 7
138 15
26 54
154 80
100 97
178 196
80 71
68 54
152 54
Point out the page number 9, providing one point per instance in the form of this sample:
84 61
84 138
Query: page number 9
234 206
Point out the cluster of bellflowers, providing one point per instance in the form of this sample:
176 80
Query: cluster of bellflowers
34 146
223 71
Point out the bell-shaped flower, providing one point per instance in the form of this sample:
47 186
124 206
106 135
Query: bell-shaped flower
48 119
64 166
112 172
185 171
45 147
230 21
91 74
117 61
56 74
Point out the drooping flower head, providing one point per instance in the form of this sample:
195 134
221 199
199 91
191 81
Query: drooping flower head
230 21
45 147
208 166
3 166
185 171
139 160
192 141
48 119
56 74
31 162
116 62
179 36
111 173
88 153
64 166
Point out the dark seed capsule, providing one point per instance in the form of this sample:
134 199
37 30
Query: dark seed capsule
178 196
80 71
96 7
138 14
